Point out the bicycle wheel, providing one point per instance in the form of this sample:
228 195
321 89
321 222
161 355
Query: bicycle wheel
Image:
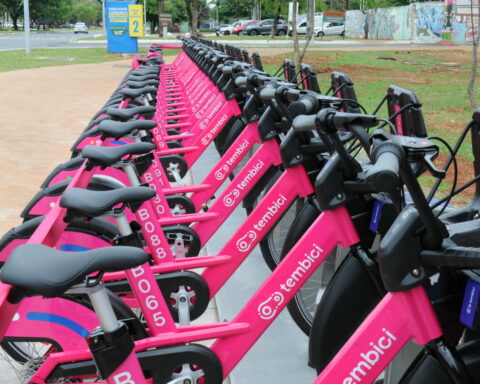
26 355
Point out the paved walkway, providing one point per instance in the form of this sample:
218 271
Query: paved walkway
42 112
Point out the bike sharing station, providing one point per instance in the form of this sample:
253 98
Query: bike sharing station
125 24
126 200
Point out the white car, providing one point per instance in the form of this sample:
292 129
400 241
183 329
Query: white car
227 30
330 28
80 28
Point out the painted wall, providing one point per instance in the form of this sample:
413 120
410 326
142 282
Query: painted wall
417 21
463 25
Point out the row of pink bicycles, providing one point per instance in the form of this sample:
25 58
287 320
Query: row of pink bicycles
103 279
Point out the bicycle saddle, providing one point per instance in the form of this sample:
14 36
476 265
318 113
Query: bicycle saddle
97 121
118 129
86 203
141 84
41 270
107 156
143 72
142 77
125 114
133 93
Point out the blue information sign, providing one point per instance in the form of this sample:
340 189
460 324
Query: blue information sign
118 37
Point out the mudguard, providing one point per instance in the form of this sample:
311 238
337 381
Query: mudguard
267 180
236 124
68 166
47 197
354 286
429 369
78 236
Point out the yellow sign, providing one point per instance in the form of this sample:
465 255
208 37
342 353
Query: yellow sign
135 20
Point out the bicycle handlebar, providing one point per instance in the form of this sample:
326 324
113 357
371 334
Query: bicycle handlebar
385 173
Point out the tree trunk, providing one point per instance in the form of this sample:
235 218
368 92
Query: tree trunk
473 72
195 17
310 27
296 46
15 19
160 7
275 22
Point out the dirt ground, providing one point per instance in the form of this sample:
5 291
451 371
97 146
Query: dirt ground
42 112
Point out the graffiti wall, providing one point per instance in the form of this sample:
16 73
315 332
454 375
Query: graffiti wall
464 26
417 21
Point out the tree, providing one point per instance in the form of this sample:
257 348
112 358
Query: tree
194 21
234 9
275 9
473 72
87 11
43 12
297 55
14 8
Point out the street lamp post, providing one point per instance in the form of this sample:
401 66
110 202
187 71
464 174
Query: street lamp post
26 25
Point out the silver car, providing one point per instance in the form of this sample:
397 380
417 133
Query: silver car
80 28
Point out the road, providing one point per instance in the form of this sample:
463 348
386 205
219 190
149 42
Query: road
70 40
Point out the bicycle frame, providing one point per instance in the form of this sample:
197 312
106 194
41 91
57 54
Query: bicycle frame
235 338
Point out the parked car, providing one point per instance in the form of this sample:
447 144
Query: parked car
80 28
330 28
220 30
240 28
264 27
302 25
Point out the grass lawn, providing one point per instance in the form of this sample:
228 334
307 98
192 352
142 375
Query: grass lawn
441 89
142 38
14 60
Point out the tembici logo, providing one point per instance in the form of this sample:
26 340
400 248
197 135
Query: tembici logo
370 358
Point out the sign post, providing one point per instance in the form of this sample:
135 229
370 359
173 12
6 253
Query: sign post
135 20
119 38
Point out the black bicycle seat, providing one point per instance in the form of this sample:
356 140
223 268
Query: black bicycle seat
87 203
118 129
125 114
146 69
141 84
107 156
142 77
41 270
133 93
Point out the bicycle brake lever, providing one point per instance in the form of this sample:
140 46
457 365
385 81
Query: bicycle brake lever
428 161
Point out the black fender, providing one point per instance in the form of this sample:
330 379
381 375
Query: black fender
93 132
431 367
96 227
235 131
352 293
265 182
237 124
69 165
97 183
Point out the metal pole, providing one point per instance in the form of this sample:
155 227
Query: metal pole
26 25
145 17
104 21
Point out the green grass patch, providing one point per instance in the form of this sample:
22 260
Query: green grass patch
441 90
15 60
141 38
264 37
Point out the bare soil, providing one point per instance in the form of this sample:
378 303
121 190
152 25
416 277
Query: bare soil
43 112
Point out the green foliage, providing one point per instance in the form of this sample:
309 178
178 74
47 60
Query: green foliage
88 11
229 10
14 8
274 8
50 11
